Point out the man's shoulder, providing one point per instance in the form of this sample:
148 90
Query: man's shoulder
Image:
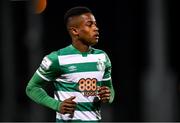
66 50
52 56
98 51
59 51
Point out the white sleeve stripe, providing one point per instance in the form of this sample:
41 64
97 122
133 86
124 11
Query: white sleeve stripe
61 80
106 79
43 77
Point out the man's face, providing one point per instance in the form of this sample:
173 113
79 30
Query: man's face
88 30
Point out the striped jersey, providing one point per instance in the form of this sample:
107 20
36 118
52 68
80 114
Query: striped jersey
78 74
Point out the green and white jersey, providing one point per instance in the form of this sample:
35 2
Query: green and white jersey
77 74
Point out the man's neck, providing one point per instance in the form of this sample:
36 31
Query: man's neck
80 46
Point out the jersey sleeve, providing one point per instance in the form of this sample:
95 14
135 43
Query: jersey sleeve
107 80
35 91
47 71
49 68
108 67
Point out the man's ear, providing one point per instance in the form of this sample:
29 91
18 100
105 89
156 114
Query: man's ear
73 30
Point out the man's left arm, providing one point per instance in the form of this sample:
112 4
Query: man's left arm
106 91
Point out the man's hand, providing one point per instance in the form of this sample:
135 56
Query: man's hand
68 106
104 94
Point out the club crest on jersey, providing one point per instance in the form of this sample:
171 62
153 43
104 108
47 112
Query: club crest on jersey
100 65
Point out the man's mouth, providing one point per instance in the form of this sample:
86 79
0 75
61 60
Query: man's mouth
96 36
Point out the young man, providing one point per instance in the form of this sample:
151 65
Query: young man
81 74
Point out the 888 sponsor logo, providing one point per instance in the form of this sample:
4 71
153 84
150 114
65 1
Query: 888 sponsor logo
88 86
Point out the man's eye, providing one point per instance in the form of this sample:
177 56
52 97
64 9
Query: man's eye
89 23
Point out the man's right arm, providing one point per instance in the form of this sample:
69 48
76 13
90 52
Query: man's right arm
36 92
48 71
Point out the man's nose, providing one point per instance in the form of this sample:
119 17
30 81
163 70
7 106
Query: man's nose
96 28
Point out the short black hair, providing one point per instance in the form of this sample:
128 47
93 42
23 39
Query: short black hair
75 11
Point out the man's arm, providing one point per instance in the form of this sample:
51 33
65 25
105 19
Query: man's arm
106 92
36 92
48 72
111 90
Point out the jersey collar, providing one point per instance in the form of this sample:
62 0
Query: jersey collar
84 54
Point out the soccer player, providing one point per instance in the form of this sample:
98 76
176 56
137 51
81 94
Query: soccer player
80 73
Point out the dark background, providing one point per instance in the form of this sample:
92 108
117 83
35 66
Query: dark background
124 34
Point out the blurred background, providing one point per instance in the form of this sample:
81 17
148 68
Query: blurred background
141 38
